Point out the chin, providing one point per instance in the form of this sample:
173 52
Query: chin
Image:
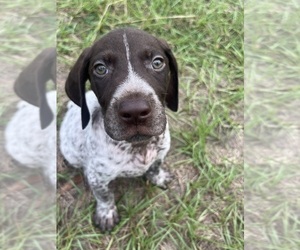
138 138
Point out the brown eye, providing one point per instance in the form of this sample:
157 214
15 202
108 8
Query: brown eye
158 63
100 69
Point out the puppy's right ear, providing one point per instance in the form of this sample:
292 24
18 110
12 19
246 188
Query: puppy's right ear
31 83
75 85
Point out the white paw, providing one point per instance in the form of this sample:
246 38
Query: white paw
106 218
162 179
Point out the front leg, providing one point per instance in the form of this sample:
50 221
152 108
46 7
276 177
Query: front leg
159 176
106 216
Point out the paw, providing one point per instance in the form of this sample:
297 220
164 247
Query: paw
106 219
161 179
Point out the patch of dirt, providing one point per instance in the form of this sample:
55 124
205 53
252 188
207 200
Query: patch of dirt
229 149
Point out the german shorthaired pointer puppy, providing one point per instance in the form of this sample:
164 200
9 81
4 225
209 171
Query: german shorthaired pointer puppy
30 136
133 76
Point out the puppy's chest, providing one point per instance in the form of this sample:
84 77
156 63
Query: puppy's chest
134 161
121 159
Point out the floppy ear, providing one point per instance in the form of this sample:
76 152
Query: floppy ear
31 83
172 90
75 85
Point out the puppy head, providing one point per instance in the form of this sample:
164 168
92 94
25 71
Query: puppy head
31 83
134 76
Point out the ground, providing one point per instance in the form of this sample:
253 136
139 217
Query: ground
203 207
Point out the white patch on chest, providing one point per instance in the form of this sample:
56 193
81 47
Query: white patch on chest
122 159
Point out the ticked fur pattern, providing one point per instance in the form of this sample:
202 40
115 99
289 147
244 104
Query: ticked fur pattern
28 143
96 136
105 159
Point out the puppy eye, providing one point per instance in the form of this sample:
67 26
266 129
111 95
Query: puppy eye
158 63
100 69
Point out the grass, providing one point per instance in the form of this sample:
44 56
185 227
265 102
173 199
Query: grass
27 215
28 27
272 128
203 209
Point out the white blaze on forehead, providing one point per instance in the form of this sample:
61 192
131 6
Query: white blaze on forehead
133 82
127 52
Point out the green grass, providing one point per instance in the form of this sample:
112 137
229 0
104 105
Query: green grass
272 128
27 210
24 225
203 209
26 28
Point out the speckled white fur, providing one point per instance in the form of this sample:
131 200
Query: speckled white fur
27 143
95 151
104 159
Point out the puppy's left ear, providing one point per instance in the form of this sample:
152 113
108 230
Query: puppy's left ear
172 90
31 83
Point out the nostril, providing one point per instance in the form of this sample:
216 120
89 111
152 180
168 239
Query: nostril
134 111
125 115
145 113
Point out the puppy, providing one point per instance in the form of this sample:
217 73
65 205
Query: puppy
30 135
120 129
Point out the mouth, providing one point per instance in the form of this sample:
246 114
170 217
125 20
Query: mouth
135 133
138 138
132 135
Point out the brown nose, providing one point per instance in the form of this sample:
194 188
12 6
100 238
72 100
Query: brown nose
134 111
